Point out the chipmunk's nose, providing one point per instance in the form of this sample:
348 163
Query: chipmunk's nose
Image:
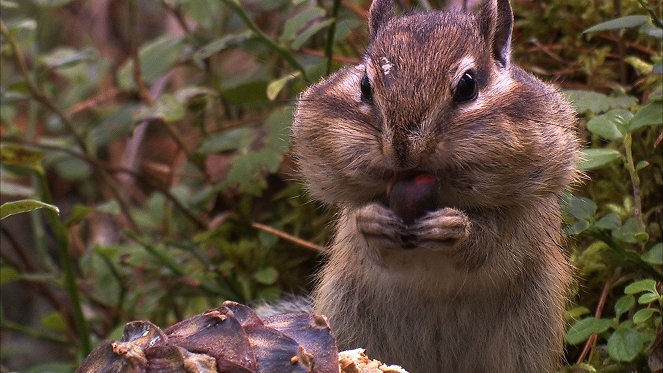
403 152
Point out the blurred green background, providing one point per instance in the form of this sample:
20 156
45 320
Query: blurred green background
160 130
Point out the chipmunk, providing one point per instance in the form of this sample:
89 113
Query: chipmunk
447 163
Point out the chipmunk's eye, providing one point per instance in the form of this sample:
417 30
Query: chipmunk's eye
366 91
467 89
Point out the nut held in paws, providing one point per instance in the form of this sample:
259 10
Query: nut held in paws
412 196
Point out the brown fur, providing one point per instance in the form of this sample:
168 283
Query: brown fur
484 288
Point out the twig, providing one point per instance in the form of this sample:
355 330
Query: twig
591 341
93 101
331 33
42 98
68 267
133 47
101 165
629 164
8 325
42 289
235 5
169 262
39 95
288 237
177 13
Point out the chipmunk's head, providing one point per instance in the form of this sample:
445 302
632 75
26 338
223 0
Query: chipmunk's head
423 71
436 94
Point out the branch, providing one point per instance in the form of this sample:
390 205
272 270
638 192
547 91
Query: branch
296 240
36 93
591 342
234 5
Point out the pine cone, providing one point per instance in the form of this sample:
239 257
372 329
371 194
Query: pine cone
232 339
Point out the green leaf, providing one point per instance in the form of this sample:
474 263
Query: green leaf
643 315
266 276
156 59
624 304
619 23
297 24
52 3
71 168
577 227
25 205
647 298
54 321
220 44
250 92
576 312
651 114
23 29
582 329
641 165
21 156
640 286
610 221
642 67
190 93
79 212
275 86
625 344
627 232
165 108
231 139
591 159
651 30
611 125
65 57
654 255
249 169
596 103
8 274
310 31
582 208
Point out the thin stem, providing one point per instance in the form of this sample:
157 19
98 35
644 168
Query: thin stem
67 263
42 98
288 237
97 164
38 94
591 341
652 13
234 5
167 261
635 180
331 33
177 13
133 46
18 328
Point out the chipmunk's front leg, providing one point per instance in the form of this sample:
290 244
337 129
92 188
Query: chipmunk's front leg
439 230
380 226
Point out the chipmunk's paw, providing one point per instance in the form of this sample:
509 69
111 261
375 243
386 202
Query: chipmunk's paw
439 230
380 226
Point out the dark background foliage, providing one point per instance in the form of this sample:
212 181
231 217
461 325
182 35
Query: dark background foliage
160 131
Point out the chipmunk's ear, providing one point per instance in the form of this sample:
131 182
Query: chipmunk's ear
496 21
380 13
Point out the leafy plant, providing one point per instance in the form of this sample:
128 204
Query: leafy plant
621 229
159 130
